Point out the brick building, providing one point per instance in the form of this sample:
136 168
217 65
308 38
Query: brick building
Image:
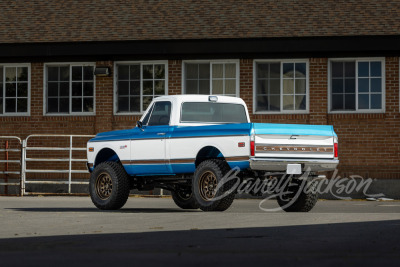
309 62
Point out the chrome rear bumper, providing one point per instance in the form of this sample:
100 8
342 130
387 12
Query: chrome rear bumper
278 164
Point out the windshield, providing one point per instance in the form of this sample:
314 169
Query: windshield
211 112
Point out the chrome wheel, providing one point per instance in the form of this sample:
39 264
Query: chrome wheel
207 185
104 186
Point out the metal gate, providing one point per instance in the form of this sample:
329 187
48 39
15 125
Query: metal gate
32 162
54 158
10 164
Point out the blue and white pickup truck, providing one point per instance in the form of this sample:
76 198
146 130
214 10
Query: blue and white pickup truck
187 143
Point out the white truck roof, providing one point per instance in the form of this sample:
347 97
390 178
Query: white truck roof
201 98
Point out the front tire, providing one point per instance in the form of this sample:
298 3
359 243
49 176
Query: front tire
109 186
206 178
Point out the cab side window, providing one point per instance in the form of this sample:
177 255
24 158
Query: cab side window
161 113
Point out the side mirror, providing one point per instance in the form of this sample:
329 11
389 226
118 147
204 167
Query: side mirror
140 125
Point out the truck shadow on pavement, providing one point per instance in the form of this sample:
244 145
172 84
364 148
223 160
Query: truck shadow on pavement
85 210
363 244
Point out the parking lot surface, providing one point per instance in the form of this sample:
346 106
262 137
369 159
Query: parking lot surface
66 231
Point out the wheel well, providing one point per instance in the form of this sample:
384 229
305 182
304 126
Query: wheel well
208 152
106 154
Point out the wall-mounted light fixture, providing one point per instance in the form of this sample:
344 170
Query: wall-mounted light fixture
102 71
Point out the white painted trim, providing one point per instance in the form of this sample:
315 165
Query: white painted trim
281 61
19 114
70 64
213 61
115 84
356 60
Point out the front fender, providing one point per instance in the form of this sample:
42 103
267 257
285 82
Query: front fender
120 148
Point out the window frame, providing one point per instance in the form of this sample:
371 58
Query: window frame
17 114
281 61
45 88
211 62
115 84
357 110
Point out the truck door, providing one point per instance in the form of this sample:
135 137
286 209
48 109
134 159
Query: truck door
148 151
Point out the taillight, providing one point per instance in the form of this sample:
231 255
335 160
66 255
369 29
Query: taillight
252 148
336 152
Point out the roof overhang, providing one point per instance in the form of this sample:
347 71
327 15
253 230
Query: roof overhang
301 47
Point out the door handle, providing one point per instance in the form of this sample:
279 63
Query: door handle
160 133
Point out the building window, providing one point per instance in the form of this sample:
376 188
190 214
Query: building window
137 84
70 89
356 85
211 78
14 89
281 86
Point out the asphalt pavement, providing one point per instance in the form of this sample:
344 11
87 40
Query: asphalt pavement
70 231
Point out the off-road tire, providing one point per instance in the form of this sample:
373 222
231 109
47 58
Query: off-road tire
225 203
217 169
184 202
105 175
305 200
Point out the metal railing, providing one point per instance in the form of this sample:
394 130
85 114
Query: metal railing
24 153
70 159
6 172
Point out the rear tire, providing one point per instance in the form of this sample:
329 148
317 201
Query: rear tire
206 178
305 200
183 198
109 186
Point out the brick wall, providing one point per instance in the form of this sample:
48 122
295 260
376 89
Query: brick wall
175 77
368 143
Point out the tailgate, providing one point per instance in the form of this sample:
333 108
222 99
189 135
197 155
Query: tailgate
293 141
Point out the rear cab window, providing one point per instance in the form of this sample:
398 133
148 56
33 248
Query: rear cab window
213 113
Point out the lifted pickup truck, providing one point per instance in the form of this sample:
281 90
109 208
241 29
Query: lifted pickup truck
188 143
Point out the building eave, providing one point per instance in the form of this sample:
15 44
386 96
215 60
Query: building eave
388 45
